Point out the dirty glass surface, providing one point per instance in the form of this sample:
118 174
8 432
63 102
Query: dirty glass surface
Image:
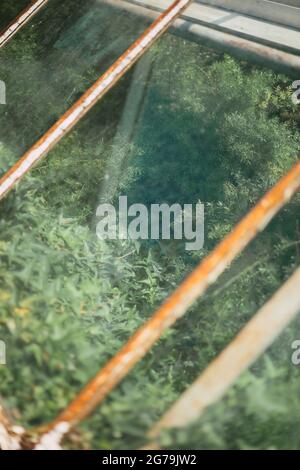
187 126
54 59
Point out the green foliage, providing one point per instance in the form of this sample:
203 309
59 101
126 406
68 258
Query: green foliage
68 301
210 129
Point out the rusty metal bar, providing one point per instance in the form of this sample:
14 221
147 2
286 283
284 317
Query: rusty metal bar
259 333
178 303
91 96
10 435
32 9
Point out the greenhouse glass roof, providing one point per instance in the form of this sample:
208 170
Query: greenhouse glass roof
136 169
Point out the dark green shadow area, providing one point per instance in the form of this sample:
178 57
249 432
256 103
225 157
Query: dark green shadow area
9 10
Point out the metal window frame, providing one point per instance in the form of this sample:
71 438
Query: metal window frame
195 284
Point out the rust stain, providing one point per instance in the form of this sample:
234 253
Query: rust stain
32 9
178 303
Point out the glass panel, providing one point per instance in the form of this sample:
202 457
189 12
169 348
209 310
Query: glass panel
54 59
188 124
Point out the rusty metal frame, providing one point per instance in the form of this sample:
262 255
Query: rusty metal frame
29 12
91 96
252 341
178 303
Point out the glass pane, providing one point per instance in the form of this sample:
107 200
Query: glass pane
188 124
54 59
